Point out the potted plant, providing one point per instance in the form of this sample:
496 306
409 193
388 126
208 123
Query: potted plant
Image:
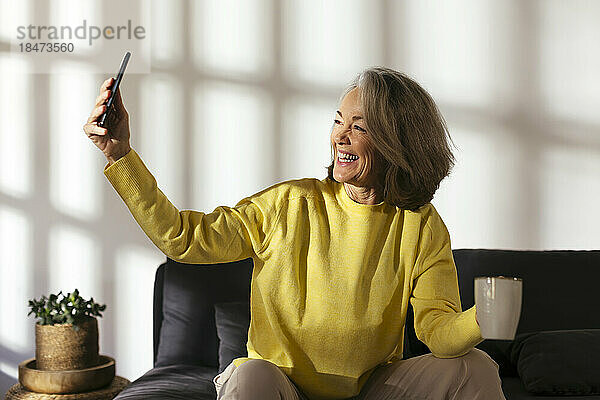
66 334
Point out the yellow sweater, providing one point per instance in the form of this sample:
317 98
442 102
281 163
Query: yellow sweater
332 278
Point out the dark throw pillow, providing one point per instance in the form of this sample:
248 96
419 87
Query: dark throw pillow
233 321
559 362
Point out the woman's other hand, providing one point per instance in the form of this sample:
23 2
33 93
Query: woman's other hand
113 139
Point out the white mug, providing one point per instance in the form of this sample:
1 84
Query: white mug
498 304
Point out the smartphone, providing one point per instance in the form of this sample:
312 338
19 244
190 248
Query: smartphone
114 87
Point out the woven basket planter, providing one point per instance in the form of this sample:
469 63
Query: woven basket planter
60 347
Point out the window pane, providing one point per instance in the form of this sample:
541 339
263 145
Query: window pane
328 42
569 69
134 271
305 145
457 49
234 136
17 279
161 134
74 189
233 36
570 189
484 196
16 152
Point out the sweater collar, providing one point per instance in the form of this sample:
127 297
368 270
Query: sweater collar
347 202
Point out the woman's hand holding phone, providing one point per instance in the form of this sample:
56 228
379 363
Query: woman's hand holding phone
113 139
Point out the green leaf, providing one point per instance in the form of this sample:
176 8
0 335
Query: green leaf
62 308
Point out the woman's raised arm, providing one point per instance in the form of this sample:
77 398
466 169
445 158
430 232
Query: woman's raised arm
226 234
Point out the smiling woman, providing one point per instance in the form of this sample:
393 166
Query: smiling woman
337 260
356 162
395 128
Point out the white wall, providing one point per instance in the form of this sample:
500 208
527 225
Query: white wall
257 81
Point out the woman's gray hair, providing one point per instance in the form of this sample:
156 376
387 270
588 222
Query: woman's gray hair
409 134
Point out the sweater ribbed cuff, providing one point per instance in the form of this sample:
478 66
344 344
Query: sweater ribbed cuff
129 175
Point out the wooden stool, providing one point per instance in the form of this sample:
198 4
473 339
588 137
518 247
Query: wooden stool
18 392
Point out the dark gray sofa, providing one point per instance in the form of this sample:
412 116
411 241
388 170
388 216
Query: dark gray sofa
560 311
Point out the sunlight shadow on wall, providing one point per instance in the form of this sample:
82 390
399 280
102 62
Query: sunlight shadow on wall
167 34
485 179
328 42
568 65
16 285
10 11
16 156
63 13
233 36
134 273
233 142
570 222
74 262
9 369
73 189
161 134
451 49
305 144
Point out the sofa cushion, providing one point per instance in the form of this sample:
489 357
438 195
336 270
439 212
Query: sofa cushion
565 362
180 381
233 322
188 333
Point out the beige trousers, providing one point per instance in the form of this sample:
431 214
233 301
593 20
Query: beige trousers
473 376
